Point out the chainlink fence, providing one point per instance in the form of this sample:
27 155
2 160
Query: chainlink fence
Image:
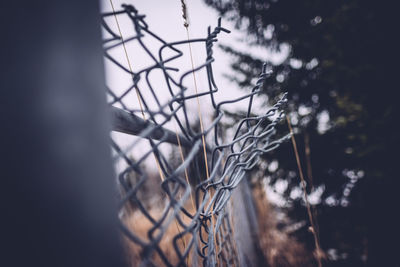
177 167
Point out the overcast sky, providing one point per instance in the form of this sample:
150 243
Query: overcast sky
164 17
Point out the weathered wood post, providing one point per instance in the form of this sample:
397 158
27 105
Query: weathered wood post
246 226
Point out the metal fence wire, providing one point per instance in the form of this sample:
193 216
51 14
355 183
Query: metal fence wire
181 215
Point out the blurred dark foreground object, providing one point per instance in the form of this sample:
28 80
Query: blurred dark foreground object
56 180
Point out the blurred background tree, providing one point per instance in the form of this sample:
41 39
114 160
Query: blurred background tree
343 116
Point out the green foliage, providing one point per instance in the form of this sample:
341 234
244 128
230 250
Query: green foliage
336 68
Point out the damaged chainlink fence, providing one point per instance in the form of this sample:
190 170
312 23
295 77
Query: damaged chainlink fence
181 215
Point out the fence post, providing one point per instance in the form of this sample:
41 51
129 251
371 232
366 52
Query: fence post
246 226
57 189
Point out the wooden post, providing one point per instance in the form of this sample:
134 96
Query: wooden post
246 226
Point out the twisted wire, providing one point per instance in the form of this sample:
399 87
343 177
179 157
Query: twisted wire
206 243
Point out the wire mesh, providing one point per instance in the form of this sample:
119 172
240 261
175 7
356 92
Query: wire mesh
182 215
